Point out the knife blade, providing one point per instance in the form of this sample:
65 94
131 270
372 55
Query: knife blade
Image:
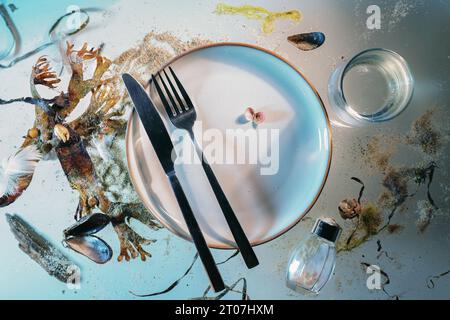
163 146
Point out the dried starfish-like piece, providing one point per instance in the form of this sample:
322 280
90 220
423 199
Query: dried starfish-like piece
131 243
82 54
87 54
42 74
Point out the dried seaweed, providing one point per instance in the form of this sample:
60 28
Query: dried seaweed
227 290
424 135
382 252
172 286
52 132
49 257
430 282
394 228
266 17
396 181
368 222
177 282
50 33
229 258
93 166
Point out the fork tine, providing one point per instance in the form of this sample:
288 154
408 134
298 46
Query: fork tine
169 94
177 96
169 111
181 88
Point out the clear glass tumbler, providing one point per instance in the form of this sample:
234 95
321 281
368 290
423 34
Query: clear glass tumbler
374 86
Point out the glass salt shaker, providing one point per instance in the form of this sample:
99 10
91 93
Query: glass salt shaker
312 263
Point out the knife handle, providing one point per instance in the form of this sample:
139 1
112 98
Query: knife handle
199 241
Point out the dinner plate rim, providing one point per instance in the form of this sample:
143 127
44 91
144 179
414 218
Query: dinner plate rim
330 139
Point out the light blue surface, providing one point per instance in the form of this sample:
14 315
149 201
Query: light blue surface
33 19
49 203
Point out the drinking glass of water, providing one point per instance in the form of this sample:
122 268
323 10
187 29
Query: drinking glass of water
374 86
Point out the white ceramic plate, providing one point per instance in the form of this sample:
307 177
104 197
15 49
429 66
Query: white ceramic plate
222 80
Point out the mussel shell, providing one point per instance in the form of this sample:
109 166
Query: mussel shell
88 225
307 41
92 247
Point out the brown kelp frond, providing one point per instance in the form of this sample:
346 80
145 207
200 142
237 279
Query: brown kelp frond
80 172
97 116
16 173
42 74
83 54
78 86
125 211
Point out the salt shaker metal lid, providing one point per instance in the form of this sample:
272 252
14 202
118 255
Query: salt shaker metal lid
327 228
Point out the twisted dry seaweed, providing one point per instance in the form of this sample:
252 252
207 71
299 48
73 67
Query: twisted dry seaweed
69 140
88 147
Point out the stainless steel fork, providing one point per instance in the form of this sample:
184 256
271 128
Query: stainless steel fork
181 112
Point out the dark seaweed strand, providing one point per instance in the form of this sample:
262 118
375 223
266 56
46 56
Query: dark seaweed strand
362 188
430 282
229 258
177 282
379 247
44 104
361 192
48 44
430 170
227 290
172 286
430 174
353 232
